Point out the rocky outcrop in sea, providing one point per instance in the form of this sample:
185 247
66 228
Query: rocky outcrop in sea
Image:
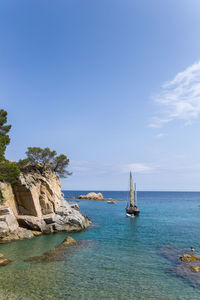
92 196
35 205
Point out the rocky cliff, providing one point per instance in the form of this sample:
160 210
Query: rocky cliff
35 205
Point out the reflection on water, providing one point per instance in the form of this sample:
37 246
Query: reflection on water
121 259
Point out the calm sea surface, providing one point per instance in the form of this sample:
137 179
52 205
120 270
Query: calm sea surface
121 258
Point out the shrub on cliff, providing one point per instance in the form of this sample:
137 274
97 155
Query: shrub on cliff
47 159
9 171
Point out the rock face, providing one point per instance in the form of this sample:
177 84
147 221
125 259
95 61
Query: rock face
92 196
9 227
36 204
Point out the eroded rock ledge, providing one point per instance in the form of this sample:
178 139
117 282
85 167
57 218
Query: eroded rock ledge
35 205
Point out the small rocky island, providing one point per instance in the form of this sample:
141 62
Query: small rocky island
95 197
92 196
34 204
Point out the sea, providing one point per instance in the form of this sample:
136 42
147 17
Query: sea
118 257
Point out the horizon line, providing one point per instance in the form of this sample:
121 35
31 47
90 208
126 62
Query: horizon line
178 191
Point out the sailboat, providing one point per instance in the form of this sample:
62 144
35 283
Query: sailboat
132 209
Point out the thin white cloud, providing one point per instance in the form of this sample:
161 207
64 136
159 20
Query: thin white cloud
80 165
179 98
159 135
97 168
158 122
178 164
137 168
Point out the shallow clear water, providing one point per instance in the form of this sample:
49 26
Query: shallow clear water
121 258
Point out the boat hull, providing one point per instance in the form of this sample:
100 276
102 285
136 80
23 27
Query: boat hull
134 211
130 211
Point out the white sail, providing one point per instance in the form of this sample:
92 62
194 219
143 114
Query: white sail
135 194
131 191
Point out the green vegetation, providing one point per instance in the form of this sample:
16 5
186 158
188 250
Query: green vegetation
44 159
47 160
9 171
4 137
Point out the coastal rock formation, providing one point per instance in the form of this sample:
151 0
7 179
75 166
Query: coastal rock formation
36 204
92 196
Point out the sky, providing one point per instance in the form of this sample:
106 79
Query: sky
113 84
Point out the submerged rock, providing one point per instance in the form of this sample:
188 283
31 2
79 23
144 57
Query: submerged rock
56 254
185 265
4 261
36 204
69 241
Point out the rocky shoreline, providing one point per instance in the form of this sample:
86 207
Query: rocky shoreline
35 205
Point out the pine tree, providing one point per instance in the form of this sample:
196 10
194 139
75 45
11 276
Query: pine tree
9 171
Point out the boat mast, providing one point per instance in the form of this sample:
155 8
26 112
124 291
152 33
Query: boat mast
135 195
131 191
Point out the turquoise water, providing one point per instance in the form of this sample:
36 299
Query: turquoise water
120 259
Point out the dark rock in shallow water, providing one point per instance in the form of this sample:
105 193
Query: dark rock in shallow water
187 273
4 261
186 266
69 241
170 252
58 253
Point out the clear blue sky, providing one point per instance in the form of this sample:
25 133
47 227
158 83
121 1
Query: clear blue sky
88 79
